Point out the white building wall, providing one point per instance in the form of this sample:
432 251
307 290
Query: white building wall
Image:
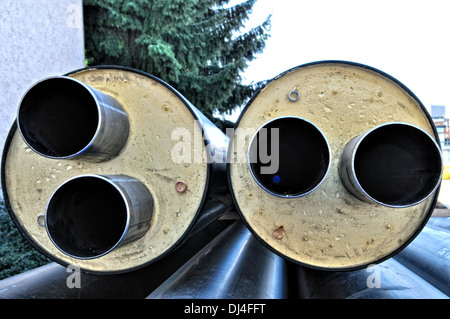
38 38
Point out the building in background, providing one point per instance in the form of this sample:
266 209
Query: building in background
442 122
38 39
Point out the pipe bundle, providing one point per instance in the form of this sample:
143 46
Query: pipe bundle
332 165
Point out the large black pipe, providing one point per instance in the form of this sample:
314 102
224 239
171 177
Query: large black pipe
420 271
234 265
428 256
441 222
54 281
388 280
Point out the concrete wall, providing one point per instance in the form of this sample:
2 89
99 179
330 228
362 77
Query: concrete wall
38 38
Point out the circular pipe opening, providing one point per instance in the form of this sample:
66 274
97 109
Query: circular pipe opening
397 164
87 217
58 117
289 157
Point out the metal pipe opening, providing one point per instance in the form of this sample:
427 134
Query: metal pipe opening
61 117
90 215
289 157
394 164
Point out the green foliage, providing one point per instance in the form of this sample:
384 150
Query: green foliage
195 45
16 254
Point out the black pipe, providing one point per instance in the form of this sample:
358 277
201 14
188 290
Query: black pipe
428 256
54 281
233 265
388 280
441 222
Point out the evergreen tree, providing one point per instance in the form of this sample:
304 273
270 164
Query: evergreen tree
194 45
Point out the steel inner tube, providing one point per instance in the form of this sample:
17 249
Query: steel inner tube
63 118
89 216
299 157
395 164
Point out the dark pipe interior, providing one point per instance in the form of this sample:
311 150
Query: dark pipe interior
58 117
303 157
397 164
86 217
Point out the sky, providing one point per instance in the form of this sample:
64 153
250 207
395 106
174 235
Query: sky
409 40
